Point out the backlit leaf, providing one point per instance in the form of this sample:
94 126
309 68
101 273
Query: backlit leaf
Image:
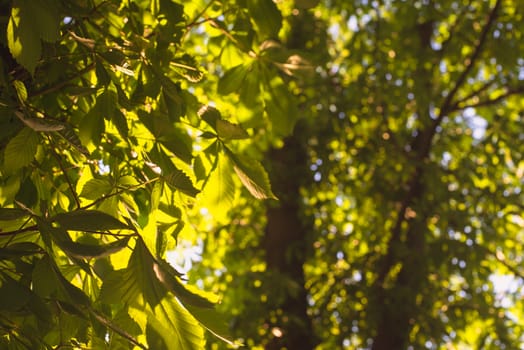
20 150
178 180
253 176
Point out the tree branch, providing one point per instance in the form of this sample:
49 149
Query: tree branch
63 83
470 63
489 102
21 230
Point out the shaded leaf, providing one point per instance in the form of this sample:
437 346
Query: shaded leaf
227 130
88 251
266 16
7 214
88 220
210 115
19 249
232 80
49 282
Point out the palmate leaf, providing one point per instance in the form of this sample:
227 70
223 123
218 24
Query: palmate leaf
161 312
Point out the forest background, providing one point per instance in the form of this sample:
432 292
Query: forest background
308 174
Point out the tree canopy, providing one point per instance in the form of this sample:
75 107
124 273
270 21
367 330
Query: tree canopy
307 174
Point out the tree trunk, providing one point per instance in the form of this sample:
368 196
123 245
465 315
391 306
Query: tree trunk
285 246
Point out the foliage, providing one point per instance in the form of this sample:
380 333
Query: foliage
110 146
132 129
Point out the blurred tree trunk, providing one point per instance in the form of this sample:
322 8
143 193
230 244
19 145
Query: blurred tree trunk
286 245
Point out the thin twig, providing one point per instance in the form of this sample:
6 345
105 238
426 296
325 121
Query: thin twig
63 83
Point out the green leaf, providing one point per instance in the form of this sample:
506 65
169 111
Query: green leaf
106 103
213 321
96 188
230 131
178 180
19 249
281 110
168 276
13 294
232 80
21 91
219 193
8 214
252 175
101 73
266 16
139 278
89 251
69 134
92 126
21 150
22 38
46 19
176 326
179 143
210 115
48 282
186 66
120 122
88 220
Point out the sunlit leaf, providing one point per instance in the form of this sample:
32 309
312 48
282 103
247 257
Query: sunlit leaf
20 150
